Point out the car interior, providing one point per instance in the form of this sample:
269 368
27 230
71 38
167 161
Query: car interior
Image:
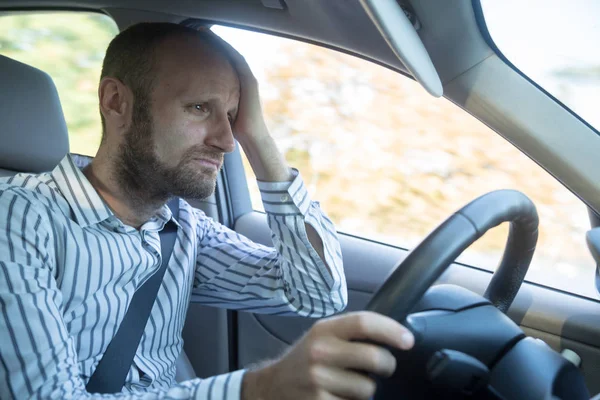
473 74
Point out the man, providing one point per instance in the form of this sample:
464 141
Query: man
79 243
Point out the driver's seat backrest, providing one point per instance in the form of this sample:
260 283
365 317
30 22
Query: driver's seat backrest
34 136
33 132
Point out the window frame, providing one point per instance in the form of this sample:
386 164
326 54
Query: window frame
480 19
594 217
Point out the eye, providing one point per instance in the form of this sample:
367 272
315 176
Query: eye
201 108
230 118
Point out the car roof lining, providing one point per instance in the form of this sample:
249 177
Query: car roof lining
331 23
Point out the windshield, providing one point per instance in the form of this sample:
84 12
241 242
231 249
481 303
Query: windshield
554 43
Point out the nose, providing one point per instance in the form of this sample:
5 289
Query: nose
221 136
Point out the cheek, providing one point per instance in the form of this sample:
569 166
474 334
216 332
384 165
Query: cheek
191 132
168 141
175 139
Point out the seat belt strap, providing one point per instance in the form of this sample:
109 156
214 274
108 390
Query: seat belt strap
111 372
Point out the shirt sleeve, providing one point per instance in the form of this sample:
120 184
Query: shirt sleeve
288 278
37 355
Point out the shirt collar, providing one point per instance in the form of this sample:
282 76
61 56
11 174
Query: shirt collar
165 215
87 206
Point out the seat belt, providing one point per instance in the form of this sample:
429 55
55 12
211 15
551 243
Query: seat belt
111 372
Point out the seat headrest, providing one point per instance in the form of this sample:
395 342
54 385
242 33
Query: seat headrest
33 132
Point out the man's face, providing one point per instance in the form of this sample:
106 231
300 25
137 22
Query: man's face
178 136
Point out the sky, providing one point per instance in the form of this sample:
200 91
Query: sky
561 31
539 36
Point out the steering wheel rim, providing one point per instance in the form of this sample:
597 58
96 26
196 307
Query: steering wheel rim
425 263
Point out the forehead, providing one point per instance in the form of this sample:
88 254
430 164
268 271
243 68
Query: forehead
185 66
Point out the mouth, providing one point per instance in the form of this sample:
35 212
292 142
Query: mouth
206 162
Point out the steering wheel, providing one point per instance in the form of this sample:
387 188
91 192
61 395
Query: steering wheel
465 345
424 265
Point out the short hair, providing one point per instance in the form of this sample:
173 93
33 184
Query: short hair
130 57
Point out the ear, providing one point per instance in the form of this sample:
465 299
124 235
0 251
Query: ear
115 104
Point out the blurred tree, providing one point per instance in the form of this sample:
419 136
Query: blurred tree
389 162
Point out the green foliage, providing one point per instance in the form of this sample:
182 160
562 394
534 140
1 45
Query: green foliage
70 47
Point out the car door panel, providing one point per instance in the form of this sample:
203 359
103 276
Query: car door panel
562 320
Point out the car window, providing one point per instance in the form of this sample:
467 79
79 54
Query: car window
389 163
554 43
70 47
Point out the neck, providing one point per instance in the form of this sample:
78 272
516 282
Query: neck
130 203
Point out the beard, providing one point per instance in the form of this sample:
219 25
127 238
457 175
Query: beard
146 178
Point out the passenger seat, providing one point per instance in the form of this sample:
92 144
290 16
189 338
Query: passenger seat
34 137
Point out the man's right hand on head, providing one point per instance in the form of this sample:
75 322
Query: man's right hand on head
324 364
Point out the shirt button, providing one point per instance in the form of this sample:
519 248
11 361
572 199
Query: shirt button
285 197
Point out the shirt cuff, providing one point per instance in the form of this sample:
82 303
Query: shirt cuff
285 198
225 387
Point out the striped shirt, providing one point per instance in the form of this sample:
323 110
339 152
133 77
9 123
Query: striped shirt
69 268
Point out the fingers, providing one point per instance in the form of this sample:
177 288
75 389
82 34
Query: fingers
353 355
367 325
327 363
343 383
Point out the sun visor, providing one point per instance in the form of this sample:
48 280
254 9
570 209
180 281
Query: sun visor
401 36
